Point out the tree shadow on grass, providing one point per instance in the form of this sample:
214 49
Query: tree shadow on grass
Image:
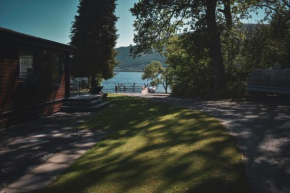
262 128
156 148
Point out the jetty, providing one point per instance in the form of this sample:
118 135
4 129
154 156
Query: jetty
123 87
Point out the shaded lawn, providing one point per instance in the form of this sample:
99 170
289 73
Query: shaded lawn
156 148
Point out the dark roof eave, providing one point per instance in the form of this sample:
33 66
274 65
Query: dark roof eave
20 38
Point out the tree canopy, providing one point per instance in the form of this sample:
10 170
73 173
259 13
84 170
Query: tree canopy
157 21
207 46
94 35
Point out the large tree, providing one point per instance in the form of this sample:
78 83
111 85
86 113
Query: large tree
94 35
157 20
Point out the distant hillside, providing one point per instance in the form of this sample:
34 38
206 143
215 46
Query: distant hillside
127 63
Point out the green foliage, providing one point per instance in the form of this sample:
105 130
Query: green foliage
157 21
93 34
267 44
264 46
214 47
245 47
280 33
157 74
188 57
254 52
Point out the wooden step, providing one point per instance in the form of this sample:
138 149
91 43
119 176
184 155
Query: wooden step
84 98
84 109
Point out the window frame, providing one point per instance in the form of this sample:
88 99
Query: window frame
22 52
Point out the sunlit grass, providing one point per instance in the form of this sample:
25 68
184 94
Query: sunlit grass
156 148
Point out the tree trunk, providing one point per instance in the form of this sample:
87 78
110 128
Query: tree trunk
227 13
165 85
215 45
93 83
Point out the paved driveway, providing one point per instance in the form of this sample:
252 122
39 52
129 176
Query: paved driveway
263 133
27 145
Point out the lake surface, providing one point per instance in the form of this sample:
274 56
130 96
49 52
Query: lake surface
127 78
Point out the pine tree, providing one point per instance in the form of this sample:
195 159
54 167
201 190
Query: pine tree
94 35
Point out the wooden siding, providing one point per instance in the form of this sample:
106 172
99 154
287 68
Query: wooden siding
20 98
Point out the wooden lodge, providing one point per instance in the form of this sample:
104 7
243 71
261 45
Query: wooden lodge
34 76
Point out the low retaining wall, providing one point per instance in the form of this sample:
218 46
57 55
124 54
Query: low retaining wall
28 113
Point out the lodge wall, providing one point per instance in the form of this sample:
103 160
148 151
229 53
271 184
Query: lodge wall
24 98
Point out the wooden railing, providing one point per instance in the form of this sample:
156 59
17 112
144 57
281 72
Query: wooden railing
123 87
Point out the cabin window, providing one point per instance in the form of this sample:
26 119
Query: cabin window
26 64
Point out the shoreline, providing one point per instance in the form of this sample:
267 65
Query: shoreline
127 71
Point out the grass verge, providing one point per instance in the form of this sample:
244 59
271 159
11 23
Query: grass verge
156 148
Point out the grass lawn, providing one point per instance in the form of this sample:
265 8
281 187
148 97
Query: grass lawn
156 148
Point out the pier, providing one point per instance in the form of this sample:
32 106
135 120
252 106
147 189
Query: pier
123 87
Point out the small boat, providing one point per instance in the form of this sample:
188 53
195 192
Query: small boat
152 89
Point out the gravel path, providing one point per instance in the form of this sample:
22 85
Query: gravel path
25 146
263 133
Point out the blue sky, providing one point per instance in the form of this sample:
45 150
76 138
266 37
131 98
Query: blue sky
51 19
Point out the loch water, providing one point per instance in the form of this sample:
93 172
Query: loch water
127 78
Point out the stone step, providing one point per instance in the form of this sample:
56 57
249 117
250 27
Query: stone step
84 98
84 109
83 103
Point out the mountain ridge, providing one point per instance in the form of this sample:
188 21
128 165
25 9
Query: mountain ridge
128 64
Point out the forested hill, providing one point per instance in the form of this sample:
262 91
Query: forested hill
127 63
